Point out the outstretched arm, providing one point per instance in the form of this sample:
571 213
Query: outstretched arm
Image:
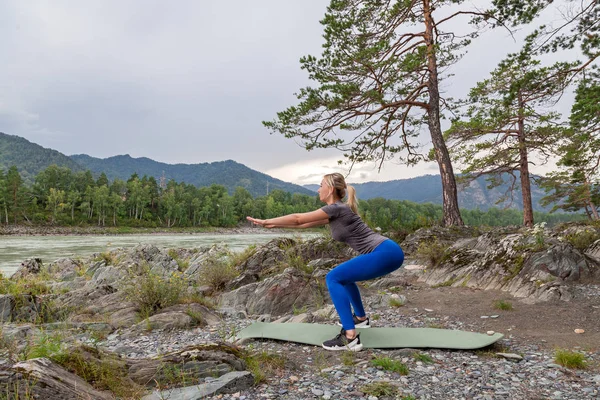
304 220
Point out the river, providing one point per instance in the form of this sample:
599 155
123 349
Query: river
15 249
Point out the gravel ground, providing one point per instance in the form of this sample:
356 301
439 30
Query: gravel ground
313 373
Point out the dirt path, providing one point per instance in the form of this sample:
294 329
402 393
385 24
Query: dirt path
549 324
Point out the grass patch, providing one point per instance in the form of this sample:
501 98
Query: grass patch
302 310
296 261
425 358
447 283
582 240
182 265
108 258
238 258
104 373
46 345
503 305
380 389
32 285
348 358
264 365
388 364
570 359
516 267
218 271
431 252
434 325
396 302
198 299
197 318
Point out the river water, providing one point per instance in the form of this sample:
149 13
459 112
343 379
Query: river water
15 249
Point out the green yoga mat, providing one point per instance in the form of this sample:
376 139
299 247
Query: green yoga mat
373 338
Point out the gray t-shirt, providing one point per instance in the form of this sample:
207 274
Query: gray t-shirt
349 228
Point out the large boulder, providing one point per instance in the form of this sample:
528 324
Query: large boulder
193 363
31 266
65 269
514 262
40 378
281 294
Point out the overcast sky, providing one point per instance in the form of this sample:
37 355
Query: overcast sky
178 82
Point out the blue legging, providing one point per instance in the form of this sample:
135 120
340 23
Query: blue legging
341 281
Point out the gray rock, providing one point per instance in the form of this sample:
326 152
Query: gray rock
510 356
277 295
229 383
510 262
42 379
7 304
31 266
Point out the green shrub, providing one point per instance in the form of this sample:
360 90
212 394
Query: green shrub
388 364
182 265
296 261
503 305
582 240
380 389
107 257
152 292
238 258
217 273
47 346
348 358
431 252
105 373
33 285
263 365
425 358
570 359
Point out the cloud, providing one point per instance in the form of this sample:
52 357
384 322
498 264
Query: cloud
188 82
312 171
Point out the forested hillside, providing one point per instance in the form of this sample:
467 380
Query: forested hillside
60 196
428 189
30 158
228 173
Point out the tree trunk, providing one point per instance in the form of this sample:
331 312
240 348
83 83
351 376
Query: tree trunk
589 199
587 212
15 205
449 191
524 170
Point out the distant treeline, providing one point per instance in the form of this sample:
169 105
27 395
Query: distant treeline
60 196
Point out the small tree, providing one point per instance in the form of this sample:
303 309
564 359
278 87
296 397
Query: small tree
15 192
575 186
509 123
55 202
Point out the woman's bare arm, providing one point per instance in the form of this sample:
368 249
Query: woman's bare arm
303 220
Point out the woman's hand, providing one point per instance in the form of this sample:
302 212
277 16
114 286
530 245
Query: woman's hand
261 222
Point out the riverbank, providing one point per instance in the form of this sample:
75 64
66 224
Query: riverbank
26 230
174 337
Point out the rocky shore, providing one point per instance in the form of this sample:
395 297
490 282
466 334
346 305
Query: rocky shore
151 323
33 230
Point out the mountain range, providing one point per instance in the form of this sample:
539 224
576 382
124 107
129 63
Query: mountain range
428 189
31 158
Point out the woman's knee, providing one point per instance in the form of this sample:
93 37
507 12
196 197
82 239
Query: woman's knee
332 278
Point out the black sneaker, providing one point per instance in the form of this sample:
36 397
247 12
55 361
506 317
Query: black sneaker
358 323
341 342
